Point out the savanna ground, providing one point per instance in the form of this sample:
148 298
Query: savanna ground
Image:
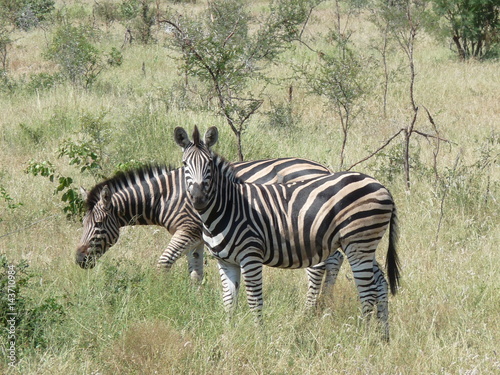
125 317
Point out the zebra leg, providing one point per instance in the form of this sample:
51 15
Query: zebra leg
314 279
362 265
195 263
252 275
332 264
230 275
382 300
180 243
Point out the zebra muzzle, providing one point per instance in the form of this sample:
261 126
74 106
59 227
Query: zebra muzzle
83 259
198 197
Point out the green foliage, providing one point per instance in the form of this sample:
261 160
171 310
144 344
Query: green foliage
281 116
342 78
472 25
83 155
389 163
219 49
4 195
43 81
87 156
129 165
139 16
6 198
24 320
5 42
74 204
107 10
79 60
115 57
45 169
469 186
26 14
129 9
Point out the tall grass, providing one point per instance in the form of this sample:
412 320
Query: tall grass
124 317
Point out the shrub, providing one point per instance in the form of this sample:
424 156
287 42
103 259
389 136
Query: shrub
24 321
26 14
79 59
473 26
8 200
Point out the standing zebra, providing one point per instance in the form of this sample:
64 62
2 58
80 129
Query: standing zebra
293 225
156 195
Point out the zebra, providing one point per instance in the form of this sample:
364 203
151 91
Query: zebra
155 195
293 225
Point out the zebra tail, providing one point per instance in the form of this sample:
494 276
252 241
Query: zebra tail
392 261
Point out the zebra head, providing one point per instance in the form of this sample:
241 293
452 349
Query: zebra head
197 160
100 229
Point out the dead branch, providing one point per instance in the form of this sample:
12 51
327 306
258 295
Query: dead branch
377 150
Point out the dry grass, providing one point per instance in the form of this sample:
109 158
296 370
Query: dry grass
124 317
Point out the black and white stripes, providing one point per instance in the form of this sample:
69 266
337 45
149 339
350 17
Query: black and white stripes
155 195
295 225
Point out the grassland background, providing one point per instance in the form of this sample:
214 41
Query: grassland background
125 317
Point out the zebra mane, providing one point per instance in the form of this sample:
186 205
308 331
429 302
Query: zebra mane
225 167
121 179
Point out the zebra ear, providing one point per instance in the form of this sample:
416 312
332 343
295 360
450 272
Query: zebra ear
83 194
181 137
211 136
105 196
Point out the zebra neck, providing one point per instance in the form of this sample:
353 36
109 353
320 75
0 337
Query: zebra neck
226 191
145 199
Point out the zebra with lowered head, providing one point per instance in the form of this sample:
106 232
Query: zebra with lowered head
156 195
289 225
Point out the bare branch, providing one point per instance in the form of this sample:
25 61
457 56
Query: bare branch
377 150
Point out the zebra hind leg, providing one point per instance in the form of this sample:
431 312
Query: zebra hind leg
362 265
382 300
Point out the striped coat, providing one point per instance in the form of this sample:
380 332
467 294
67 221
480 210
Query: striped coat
295 225
155 195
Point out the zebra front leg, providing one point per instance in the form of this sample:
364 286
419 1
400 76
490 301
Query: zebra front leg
195 263
183 242
230 275
252 275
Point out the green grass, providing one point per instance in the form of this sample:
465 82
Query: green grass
124 317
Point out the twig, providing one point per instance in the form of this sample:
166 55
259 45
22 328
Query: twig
433 136
377 150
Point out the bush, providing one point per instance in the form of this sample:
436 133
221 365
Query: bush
281 116
473 25
79 59
42 81
8 200
24 322
26 14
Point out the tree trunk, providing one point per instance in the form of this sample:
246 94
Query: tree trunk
461 51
